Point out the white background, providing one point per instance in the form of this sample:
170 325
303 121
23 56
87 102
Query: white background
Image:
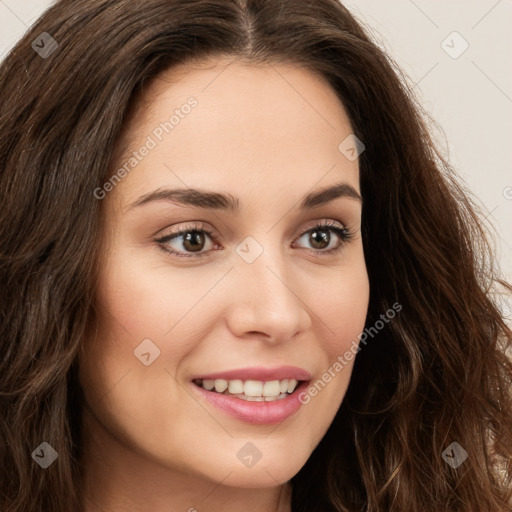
470 97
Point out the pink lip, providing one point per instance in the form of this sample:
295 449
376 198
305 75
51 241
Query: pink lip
258 413
259 373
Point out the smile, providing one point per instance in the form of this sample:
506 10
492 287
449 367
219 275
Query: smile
250 390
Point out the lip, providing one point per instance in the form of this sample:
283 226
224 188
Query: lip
259 373
257 413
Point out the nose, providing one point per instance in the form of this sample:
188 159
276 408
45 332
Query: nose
266 300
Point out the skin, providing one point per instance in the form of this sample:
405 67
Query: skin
269 135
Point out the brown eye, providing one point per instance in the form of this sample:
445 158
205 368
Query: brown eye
321 240
188 242
194 241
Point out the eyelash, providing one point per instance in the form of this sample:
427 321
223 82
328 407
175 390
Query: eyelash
343 233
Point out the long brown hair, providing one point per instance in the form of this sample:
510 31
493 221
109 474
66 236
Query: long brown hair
438 373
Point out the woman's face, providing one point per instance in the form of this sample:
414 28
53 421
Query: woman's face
253 291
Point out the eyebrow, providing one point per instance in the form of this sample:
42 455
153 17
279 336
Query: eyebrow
231 204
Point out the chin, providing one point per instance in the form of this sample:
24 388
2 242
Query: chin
253 478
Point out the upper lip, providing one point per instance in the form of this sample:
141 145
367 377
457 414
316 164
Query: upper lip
258 373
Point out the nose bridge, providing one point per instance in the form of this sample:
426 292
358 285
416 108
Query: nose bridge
269 301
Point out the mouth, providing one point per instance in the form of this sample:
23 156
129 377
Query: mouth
251 401
251 390
260 395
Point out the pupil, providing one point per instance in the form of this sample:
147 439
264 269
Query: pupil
192 238
324 237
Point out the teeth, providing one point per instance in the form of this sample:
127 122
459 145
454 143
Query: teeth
220 385
260 398
292 384
236 387
271 388
251 390
208 384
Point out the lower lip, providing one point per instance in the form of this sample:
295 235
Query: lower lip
258 413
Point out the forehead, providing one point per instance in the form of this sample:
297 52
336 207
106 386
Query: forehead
250 127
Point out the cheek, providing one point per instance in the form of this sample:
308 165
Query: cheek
145 298
144 307
342 309
127 369
342 304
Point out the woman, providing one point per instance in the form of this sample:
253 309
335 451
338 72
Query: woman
236 273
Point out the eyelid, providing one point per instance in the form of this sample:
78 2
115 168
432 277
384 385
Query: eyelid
320 222
191 226
201 226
